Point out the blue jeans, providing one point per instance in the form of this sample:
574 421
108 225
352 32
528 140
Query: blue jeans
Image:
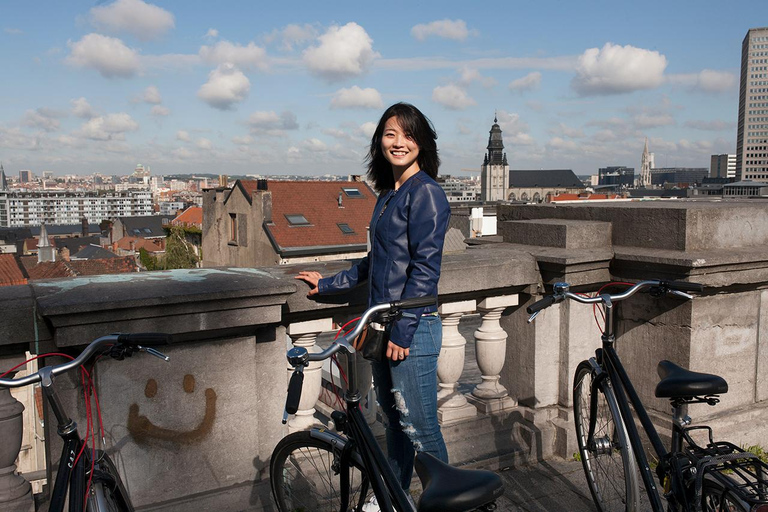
407 393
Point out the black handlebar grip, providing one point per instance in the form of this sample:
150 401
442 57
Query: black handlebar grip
416 302
540 304
685 287
294 392
147 339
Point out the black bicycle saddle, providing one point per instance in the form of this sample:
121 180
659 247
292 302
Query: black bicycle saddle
449 489
677 382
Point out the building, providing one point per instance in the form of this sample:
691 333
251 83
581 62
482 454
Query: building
26 176
616 175
681 176
540 185
142 226
459 190
260 223
752 132
66 207
746 188
646 164
3 181
722 166
494 174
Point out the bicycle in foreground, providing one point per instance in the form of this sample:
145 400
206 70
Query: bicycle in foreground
716 476
323 471
87 475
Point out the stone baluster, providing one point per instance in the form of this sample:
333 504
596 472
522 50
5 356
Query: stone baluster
304 334
452 405
15 491
490 396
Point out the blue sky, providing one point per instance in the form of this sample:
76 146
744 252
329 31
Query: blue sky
296 87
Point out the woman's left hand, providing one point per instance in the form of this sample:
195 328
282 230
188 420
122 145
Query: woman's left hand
396 353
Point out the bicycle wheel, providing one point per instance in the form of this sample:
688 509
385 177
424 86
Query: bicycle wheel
305 476
108 492
715 498
609 462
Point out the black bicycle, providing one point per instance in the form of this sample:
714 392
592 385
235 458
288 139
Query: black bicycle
86 474
718 476
320 470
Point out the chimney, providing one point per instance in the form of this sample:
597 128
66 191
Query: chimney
133 245
261 184
266 206
84 224
65 253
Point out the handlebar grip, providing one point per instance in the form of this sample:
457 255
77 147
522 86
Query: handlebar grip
684 286
294 392
416 302
147 339
540 304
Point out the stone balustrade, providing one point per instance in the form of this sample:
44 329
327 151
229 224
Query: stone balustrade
202 427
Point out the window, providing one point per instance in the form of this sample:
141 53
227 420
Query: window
352 193
296 219
233 228
346 229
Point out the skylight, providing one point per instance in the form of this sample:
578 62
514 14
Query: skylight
346 229
297 219
352 192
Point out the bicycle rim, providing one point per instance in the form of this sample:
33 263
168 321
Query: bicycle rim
305 476
609 464
714 498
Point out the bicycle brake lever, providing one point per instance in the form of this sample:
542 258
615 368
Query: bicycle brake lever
533 316
680 294
152 351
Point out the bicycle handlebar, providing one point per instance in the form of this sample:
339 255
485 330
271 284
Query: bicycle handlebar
674 286
138 340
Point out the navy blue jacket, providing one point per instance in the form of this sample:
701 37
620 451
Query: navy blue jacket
407 232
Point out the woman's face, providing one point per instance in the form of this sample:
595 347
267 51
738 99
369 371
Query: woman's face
399 149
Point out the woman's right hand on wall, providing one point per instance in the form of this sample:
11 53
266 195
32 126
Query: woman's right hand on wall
311 278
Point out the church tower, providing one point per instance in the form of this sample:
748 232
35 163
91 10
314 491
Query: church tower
645 167
494 176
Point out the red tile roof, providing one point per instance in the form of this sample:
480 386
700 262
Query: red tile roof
52 269
318 202
10 271
192 216
139 243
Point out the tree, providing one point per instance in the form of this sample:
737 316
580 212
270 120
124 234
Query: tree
178 252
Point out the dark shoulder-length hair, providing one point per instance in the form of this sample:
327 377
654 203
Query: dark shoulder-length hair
419 128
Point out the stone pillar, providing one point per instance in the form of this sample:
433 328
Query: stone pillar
491 344
304 334
453 405
15 491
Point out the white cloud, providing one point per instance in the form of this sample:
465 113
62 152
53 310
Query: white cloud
81 108
142 20
713 81
447 29
644 121
470 74
563 130
534 105
511 124
13 31
271 121
714 126
242 140
527 83
292 35
244 57
42 118
616 69
226 86
152 95
558 144
212 33
107 55
160 111
203 143
183 136
342 52
452 97
355 97
314 145
110 127
368 129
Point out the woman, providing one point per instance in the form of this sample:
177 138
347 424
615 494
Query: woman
407 231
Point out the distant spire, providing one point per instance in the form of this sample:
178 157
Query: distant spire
45 251
3 181
645 167
44 242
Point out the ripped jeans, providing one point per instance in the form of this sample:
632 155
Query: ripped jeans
407 393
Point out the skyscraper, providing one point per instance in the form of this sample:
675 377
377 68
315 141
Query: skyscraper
752 135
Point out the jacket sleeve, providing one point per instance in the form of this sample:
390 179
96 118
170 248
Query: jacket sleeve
345 279
428 217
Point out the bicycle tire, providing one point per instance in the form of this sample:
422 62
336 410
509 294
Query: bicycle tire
610 465
109 493
305 476
715 498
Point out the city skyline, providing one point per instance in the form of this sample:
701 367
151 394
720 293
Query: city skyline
238 89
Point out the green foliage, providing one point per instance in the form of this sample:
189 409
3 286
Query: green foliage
757 450
179 253
577 456
148 261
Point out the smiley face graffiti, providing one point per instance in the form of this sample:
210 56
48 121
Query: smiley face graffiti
143 430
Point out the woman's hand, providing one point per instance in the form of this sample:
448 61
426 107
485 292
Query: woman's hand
396 352
311 278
